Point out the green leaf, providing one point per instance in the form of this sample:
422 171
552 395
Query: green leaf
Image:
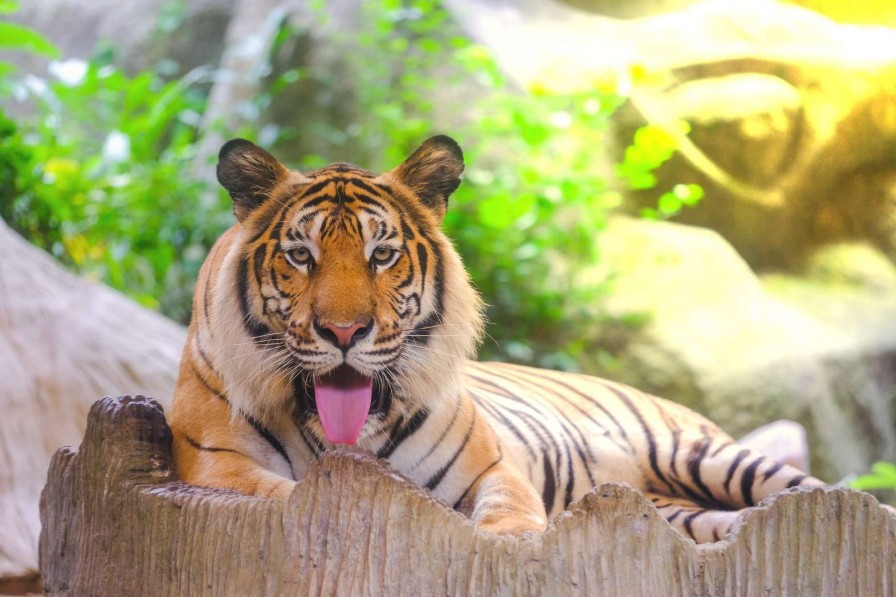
689 194
6 68
8 6
882 476
18 37
669 204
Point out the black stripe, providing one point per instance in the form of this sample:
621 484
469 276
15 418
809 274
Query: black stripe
422 258
206 295
478 477
258 263
678 513
729 476
774 469
267 435
254 328
318 187
673 466
720 448
796 481
278 223
410 277
199 446
496 413
570 481
444 434
423 331
567 426
746 481
440 474
205 383
690 521
263 230
437 278
694 462
592 400
367 200
315 202
362 184
549 488
407 231
402 432
651 441
534 424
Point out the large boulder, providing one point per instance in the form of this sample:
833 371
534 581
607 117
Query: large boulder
746 350
190 33
791 115
64 343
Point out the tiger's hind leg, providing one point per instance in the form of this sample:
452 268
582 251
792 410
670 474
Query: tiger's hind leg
710 484
785 439
737 477
700 523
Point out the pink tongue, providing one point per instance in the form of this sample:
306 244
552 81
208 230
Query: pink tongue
343 401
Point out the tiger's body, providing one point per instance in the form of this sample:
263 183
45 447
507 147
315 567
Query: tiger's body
336 311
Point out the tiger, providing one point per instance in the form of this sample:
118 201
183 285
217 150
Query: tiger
336 311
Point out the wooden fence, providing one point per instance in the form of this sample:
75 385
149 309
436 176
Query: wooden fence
117 522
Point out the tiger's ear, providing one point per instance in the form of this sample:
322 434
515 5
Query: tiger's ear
433 172
249 173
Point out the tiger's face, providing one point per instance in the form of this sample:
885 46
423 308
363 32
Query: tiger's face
349 274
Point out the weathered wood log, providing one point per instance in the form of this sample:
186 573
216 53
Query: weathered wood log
117 522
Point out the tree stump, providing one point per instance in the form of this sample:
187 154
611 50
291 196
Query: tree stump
116 521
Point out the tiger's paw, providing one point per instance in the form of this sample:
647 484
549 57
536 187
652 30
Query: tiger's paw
517 526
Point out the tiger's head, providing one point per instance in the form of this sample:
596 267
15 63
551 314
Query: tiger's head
347 283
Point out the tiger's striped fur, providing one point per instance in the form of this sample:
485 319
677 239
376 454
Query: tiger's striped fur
338 270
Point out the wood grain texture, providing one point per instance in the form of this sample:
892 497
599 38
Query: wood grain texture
117 522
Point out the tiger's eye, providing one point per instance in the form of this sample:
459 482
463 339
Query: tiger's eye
299 256
382 255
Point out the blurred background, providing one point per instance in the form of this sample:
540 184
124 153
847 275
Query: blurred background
695 198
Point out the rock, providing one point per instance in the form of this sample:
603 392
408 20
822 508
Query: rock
64 343
132 28
747 122
793 127
746 351
854 264
875 12
628 9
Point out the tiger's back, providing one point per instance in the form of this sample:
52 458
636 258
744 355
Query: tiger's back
336 311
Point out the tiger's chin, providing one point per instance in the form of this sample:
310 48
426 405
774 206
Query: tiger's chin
342 400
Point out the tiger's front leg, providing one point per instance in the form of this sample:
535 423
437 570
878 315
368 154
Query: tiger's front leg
500 499
212 448
506 503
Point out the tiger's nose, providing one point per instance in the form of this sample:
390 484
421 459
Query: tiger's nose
343 336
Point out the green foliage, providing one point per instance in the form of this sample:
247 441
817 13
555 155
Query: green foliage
527 216
107 187
104 180
881 478
17 37
21 39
